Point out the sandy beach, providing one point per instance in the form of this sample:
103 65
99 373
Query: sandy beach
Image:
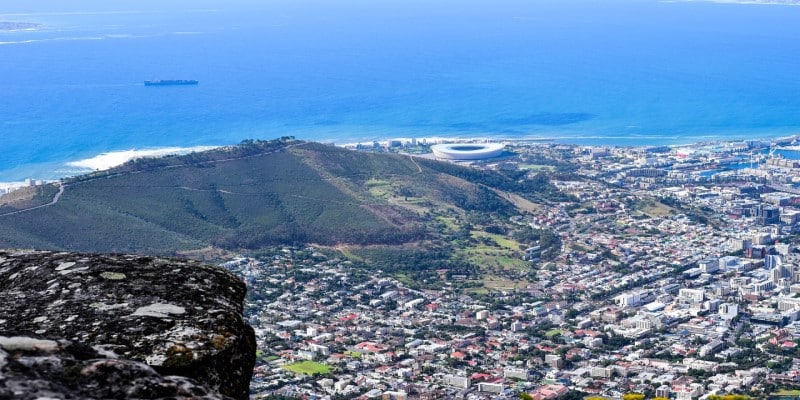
114 158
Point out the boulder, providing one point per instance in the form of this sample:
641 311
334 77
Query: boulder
157 323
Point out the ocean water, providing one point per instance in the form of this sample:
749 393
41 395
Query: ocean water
579 71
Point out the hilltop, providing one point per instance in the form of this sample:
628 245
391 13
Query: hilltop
258 194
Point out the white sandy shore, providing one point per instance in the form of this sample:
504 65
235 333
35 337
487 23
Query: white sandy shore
115 158
109 160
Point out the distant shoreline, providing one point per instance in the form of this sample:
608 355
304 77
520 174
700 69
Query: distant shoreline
490 139
7 26
107 160
111 159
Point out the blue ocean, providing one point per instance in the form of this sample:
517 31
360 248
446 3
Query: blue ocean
612 72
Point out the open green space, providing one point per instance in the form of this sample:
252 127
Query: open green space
449 222
654 208
478 291
493 251
553 332
500 283
308 368
786 392
493 259
500 240
379 188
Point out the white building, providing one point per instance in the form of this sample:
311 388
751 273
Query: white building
519 373
462 382
496 388
691 295
709 265
627 300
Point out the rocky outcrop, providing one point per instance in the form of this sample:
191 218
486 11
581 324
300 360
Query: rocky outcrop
46 369
145 327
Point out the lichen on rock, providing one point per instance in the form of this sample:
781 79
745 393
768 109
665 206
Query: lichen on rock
32 369
143 309
114 276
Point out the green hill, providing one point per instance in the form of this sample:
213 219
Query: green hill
255 195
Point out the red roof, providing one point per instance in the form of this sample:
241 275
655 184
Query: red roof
349 317
480 377
368 346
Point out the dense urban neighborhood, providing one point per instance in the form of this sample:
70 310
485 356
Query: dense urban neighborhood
669 272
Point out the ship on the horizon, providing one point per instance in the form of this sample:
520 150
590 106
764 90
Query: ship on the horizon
170 82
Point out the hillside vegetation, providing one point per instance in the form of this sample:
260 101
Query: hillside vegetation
255 195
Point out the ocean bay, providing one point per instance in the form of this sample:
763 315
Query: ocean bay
635 72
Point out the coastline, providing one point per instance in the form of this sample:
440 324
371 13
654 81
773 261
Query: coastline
100 162
558 140
110 159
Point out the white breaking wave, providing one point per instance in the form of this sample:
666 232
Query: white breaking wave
114 158
103 37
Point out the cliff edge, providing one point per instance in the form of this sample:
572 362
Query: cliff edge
121 326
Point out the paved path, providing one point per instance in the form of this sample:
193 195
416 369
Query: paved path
55 200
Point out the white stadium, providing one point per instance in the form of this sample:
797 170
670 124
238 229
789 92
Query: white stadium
467 151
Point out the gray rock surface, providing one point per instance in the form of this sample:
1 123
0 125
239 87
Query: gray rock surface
151 322
46 369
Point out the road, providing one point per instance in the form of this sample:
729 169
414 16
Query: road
62 187
57 197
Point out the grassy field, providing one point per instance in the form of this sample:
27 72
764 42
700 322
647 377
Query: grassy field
495 251
348 253
654 208
498 283
393 193
551 333
501 240
308 368
478 290
521 202
786 392
379 188
496 260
